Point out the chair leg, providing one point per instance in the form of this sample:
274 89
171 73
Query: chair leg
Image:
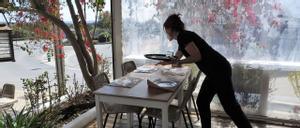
139 120
186 125
173 125
115 120
105 120
189 116
121 116
154 122
196 108
150 120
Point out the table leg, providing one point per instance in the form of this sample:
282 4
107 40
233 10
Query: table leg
165 116
130 120
99 112
180 100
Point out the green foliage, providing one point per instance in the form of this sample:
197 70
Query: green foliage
104 36
247 83
75 92
105 21
248 79
27 119
41 90
294 78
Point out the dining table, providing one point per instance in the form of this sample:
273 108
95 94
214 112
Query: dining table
139 93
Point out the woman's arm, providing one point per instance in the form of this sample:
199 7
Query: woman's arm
178 55
194 52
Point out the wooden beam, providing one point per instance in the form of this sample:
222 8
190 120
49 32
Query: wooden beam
117 37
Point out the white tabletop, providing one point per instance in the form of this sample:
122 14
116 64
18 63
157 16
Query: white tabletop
142 95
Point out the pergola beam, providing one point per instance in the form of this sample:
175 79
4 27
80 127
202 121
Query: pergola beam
117 37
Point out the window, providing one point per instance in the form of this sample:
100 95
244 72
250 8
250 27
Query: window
259 38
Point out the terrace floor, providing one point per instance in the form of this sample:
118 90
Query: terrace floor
216 123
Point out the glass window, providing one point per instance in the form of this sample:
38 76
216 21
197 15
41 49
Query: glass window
260 38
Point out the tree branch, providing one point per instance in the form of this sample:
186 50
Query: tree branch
84 24
71 37
79 37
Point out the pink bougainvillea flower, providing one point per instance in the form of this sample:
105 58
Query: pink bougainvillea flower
46 34
196 21
20 13
54 36
43 19
52 1
235 36
158 4
37 30
211 17
45 48
50 10
251 15
277 6
235 12
60 56
236 3
87 43
82 1
245 2
62 35
227 4
99 58
59 46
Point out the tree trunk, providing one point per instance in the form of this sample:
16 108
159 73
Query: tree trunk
88 66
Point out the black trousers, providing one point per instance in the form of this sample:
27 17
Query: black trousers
222 86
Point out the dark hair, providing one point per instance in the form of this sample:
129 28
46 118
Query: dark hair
174 22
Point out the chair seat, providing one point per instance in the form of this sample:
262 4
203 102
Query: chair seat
174 113
117 108
184 93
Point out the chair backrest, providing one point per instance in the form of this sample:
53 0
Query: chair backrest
8 91
189 92
101 80
198 76
128 67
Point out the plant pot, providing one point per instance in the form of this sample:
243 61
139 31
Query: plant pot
252 87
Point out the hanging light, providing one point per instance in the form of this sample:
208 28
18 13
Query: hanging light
6 44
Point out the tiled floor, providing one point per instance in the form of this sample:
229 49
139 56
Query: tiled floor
216 123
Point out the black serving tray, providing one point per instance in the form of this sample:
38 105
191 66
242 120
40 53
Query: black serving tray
158 57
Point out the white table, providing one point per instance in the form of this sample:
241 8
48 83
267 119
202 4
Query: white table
141 95
6 102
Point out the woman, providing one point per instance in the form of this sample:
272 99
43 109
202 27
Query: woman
216 68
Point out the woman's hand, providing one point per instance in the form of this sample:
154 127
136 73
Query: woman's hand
164 63
176 64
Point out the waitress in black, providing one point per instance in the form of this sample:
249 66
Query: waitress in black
216 68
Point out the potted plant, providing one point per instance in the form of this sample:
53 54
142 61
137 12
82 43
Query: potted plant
251 87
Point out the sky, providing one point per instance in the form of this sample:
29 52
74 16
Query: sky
90 13
292 6
67 17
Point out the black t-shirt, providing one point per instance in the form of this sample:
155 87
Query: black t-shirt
212 62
